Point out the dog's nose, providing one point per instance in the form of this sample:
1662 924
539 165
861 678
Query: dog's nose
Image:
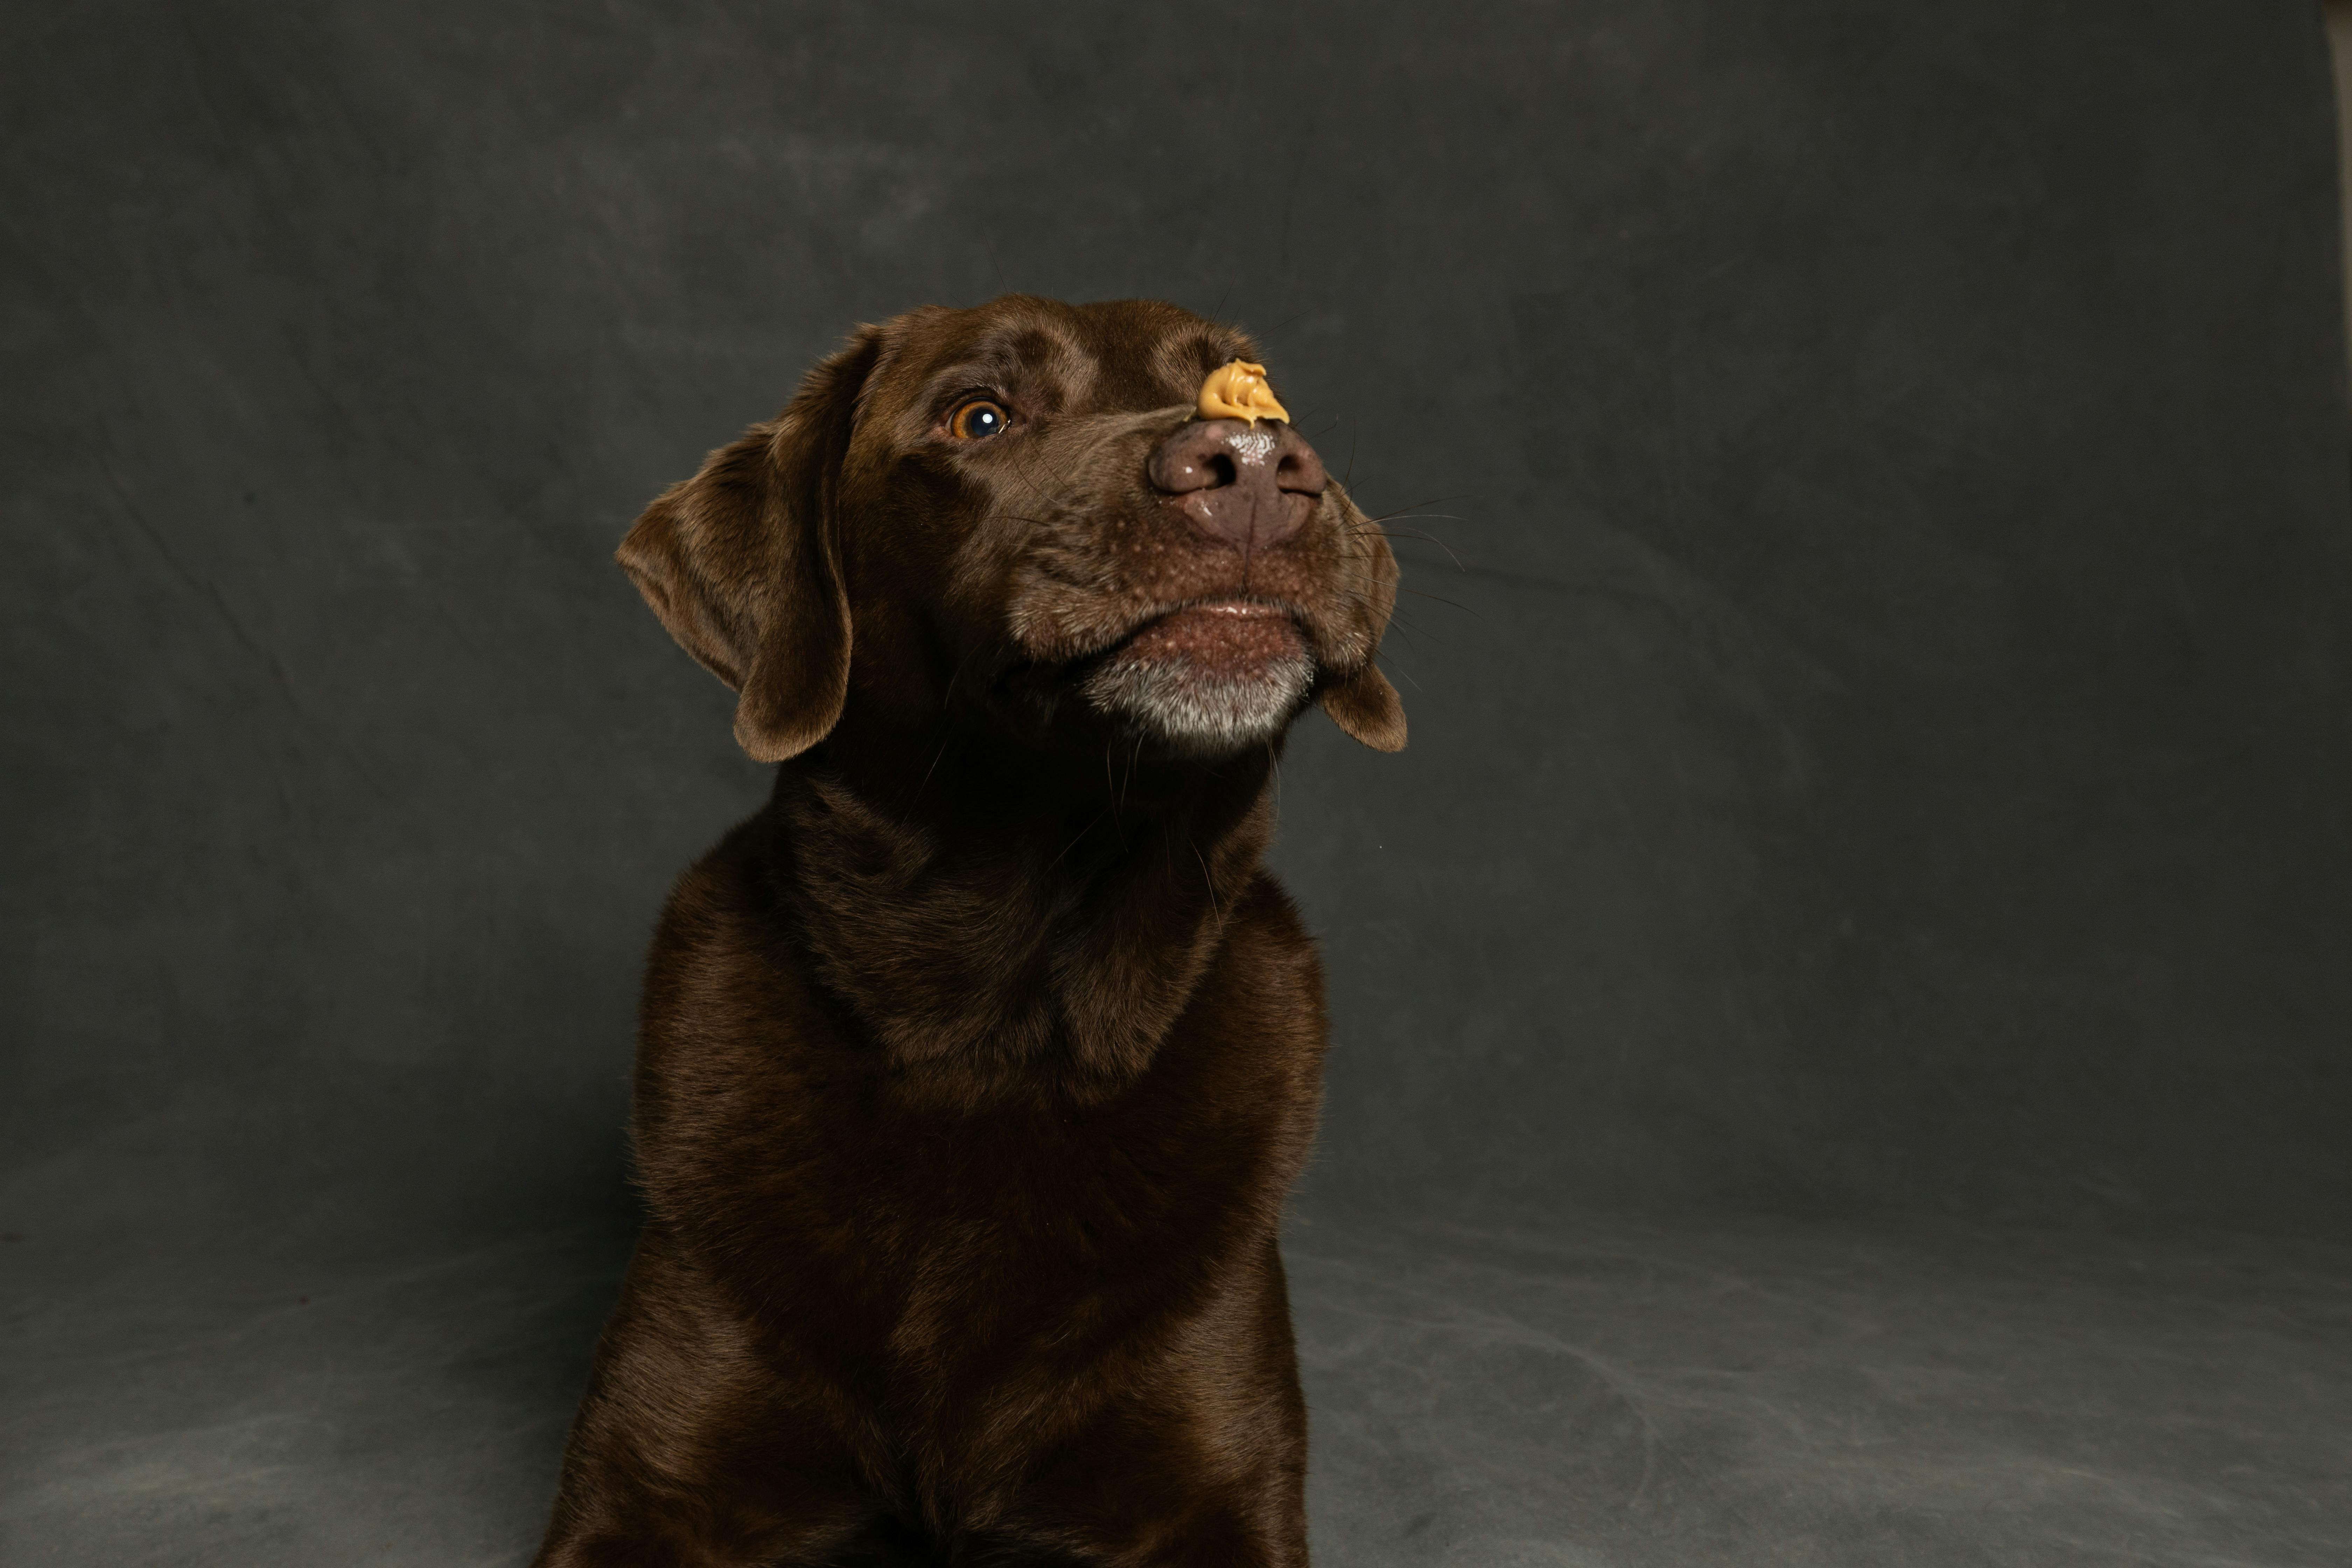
1254 485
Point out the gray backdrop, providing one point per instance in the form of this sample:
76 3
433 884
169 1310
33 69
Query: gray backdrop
1879 712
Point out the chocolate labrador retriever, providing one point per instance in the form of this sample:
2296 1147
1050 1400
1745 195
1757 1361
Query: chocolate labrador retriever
974 1070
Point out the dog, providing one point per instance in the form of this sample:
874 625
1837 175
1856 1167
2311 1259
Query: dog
975 1069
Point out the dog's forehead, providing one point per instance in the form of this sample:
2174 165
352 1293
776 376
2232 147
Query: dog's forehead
1152 353
1112 354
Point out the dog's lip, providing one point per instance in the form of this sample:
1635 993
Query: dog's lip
1249 609
1239 606
1236 608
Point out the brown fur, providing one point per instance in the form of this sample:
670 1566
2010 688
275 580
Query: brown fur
974 1071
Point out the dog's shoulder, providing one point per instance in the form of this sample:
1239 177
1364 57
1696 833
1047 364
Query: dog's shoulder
1255 1024
1269 954
719 952
727 1001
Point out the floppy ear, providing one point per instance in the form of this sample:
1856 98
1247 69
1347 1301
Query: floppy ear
1364 705
1367 708
742 562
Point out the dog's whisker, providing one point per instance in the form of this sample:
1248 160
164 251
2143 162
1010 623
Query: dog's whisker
1399 670
1416 507
947 735
1424 539
1440 599
1427 539
1073 842
1413 633
1116 806
1208 878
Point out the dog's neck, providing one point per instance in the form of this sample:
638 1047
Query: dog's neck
1016 926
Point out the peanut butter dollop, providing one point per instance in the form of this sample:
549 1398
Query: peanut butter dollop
1238 391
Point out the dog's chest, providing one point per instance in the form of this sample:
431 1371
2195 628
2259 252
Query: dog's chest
1027 1242
878 1226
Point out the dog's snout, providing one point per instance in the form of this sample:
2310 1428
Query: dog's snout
1252 485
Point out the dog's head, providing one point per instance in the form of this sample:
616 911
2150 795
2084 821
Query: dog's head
1016 513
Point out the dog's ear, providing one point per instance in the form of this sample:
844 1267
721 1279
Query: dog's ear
1364 705
742 562
1367 708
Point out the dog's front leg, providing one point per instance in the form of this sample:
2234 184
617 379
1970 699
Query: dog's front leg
693 1448
1143 1505
1202 1463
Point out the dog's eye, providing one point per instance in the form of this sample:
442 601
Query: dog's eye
978 419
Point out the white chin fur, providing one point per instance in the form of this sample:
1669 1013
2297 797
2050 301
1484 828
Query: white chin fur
1201 714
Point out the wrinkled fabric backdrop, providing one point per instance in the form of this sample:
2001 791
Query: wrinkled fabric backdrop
1876 662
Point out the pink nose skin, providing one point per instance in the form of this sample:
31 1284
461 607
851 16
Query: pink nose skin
1252 486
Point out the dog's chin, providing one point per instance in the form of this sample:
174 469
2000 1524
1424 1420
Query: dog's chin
1207 680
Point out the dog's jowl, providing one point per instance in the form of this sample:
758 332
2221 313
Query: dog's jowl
974 1070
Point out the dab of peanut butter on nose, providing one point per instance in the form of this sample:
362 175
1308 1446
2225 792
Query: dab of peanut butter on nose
1238 391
